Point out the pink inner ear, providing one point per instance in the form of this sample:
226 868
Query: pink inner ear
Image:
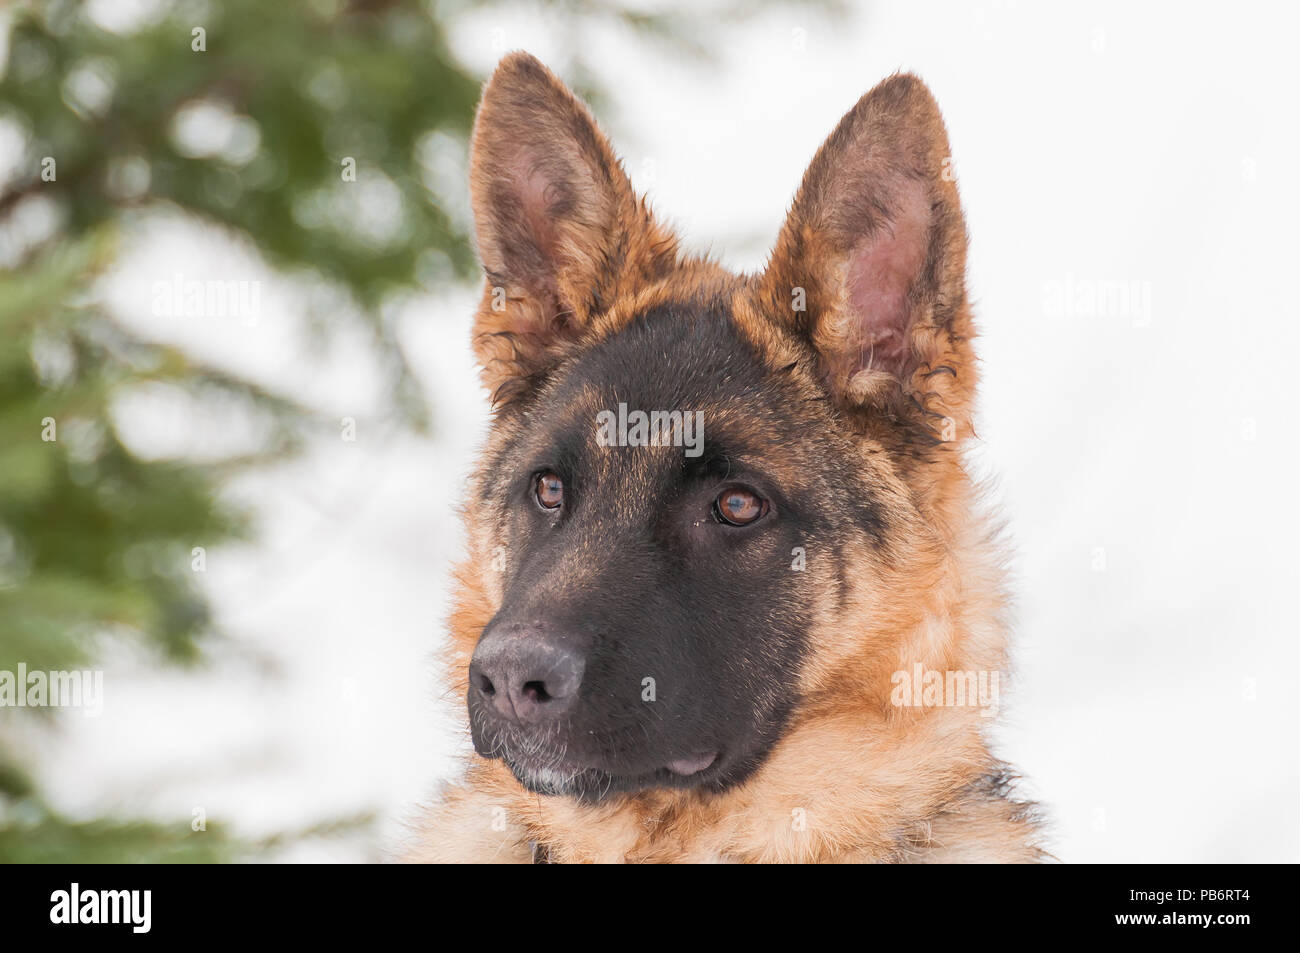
528 203
537 195
881 273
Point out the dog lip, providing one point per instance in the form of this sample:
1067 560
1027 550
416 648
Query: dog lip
548 775
693 765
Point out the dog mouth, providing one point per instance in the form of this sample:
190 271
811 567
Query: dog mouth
590 783
589 765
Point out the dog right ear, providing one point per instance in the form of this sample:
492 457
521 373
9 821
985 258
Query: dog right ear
560 230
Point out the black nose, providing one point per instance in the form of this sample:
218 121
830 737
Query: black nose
527 672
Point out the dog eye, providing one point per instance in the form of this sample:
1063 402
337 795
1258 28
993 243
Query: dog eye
738 506
549 490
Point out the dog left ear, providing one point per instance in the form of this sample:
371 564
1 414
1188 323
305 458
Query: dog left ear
870 265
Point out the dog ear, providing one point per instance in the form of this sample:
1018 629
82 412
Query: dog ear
560 230
870 265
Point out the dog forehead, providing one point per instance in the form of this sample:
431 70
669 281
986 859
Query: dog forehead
672 358
687 368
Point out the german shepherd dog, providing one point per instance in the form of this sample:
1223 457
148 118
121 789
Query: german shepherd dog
725 562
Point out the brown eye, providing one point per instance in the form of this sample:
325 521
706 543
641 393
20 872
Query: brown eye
739 506
549 490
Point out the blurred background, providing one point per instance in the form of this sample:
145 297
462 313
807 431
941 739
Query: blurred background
237 400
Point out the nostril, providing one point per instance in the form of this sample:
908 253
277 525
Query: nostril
485 685
536 691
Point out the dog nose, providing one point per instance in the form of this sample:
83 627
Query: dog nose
527 672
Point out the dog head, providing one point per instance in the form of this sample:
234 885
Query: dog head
708 501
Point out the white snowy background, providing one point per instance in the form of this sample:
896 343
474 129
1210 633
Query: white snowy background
1144 452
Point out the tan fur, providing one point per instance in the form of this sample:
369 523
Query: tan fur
854 778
